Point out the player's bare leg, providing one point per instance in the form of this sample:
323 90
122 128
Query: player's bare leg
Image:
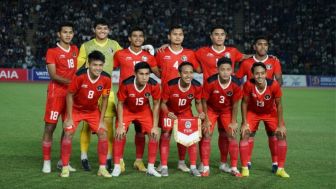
46 146
85 137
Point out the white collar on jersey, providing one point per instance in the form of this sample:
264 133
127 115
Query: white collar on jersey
136 88
175 52
135 53
263 90
263 61
92 81
218 52
221 85
63 49
179 85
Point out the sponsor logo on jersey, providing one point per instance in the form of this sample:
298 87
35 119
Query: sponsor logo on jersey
190 96
176 95
131 95
167 57
216 91
62 56
128 58
147 95
267 97
268 66
100 88
84 86
187 124
184 58
144 58
227 55
229 93
210 55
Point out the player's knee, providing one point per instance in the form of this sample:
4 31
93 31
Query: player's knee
68 134
280 137
270 133
49 128
207 135
246 135
102 134
166 134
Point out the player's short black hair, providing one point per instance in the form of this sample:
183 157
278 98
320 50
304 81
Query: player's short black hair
184 64
100 21
96 55
141 65
64 24
213 28
256 64
175 26
264 37
224 60
136 28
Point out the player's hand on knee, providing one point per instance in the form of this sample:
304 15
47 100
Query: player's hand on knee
102 126
201 115
245 130
68 125
171 115
281 132
120 132
155 133
206 127
234 129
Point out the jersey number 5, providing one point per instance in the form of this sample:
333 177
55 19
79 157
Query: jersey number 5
139 101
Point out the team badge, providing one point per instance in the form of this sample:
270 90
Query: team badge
74 54
190 96
144 58
99 88
184 58
229 93
267 97
227 55
254 95
187 124
110 50
147 95
268 66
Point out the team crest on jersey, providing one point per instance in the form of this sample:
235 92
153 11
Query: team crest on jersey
74 54
184 58
210 55
99 88
176 95
227 55
144 58
84 86
268 66
147 95
267 97
254 95
167 57
229 93
190 96
110 50
216 91
187 124
128 58
131 95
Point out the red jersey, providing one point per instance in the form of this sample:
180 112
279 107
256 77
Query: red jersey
208 57
87 92
221 99
66 66
179 101
168 61
272 64
126 59
137 100
262 102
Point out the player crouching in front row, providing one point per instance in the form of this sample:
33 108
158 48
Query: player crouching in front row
262 102
85 89
134 106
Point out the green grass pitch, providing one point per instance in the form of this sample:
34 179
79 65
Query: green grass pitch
309 115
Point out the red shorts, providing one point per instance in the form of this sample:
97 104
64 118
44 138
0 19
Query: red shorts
223 120
270 121
92 118
166 124
144 119
55 107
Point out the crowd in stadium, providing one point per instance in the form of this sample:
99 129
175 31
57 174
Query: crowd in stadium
302 32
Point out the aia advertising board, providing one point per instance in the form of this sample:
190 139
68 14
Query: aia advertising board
9 74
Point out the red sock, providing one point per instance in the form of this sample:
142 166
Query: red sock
192 150
223 144
244 150
206 150
139 140
152 150
102 151
251 145
164 148
233 150
282 151
66 151
123 147
118 150
273 146
182 150
46 150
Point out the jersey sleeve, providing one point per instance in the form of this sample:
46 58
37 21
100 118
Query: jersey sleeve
81 60
194 60
277 67
158 59
276 90
152 61
73 86
237 93
247 89
165 95
107 87
238 55
116 61
242 70
198 93
50 57
206 91
156 93
122 92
